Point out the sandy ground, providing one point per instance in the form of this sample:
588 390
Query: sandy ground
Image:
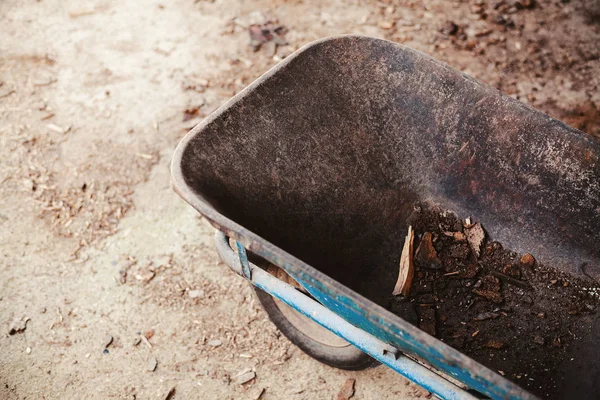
94 244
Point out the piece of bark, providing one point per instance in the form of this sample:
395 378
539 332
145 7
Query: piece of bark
475 236
426 255
405 277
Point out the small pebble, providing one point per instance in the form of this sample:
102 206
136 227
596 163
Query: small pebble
214 343
28 350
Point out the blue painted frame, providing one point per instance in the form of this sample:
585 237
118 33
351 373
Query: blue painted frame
344 317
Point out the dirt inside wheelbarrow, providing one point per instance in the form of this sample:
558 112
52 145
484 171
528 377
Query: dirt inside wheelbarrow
503 309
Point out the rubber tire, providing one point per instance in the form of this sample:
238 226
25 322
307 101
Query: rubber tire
348 358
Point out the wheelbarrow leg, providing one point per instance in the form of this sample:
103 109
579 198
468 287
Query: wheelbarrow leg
244 264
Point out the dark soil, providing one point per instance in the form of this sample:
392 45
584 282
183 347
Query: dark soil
504 310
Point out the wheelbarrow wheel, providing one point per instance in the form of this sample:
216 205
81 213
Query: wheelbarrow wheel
316 341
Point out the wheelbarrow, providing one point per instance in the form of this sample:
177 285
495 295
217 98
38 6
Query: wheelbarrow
310 173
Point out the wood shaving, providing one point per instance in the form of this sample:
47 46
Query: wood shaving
405 276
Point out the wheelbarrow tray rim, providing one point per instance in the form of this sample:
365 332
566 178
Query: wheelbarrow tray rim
456 362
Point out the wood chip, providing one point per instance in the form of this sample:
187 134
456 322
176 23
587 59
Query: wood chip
475 236
81 13
260 394
405 277
152 364
170 393
55 128
245 377
146 341
496 297
347 390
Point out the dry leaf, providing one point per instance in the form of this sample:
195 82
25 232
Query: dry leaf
475 236
405 276
347 390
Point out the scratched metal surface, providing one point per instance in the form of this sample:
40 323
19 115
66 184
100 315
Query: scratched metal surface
317 164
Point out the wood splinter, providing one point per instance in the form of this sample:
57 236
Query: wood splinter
405 277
